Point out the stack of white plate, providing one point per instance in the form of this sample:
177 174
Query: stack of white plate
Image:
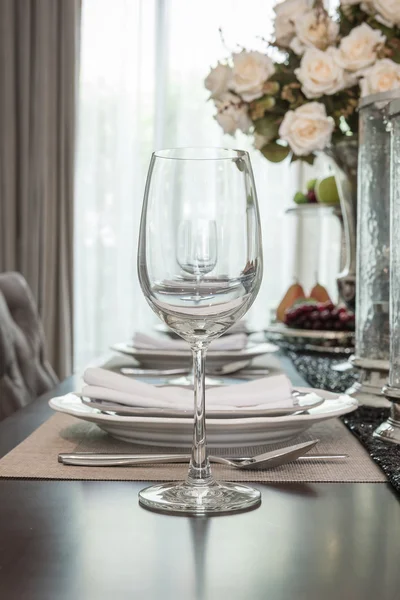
163 358
235 427
231 427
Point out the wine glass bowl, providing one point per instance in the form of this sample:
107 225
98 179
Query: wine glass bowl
200 268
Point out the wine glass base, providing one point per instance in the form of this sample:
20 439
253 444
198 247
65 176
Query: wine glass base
200 500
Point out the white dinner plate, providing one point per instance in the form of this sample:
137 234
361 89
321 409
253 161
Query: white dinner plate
167 358
300 402
231 433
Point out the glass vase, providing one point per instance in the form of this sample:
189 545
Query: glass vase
344 164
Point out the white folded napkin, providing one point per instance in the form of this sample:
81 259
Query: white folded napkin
236 341
271 392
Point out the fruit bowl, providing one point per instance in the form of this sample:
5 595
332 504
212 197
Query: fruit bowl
319 191
315 327
300 209
310 340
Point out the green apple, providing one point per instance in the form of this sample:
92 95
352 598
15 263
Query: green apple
300 198
326 191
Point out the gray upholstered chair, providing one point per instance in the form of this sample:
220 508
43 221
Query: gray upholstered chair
24 370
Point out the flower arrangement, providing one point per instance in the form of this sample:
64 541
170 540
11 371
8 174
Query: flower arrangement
307 98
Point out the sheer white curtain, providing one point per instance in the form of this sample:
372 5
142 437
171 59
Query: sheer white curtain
142 68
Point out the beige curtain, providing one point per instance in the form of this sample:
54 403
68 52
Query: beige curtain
39 46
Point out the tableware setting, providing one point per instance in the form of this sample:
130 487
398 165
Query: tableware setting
230 354
266 460
169 356
224 374
265 411
200 269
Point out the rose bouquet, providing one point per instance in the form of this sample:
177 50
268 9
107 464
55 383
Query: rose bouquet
306 98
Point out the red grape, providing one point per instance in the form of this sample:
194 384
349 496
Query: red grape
311 196
344 317
323 316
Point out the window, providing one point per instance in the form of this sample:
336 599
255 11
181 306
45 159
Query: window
143 63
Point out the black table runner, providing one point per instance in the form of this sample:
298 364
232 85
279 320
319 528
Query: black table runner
317 371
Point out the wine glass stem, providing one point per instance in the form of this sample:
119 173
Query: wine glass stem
199 467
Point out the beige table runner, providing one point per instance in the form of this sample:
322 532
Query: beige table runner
36 457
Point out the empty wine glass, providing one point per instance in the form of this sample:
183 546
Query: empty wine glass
200 269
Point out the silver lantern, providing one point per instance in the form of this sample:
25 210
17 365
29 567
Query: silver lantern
373 249
390 429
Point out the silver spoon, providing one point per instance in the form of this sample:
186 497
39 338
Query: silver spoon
267 460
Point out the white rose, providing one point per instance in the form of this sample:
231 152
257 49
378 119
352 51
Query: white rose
358 49
366 5
388 11
320 74
307 128
383 76
218 79
284 31
232 114
315 29
250 71
297 47
286 14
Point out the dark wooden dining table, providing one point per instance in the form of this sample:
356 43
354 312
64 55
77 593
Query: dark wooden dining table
81 540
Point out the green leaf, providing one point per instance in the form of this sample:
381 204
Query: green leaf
259 107
268 103
268 127
275 152
308 159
